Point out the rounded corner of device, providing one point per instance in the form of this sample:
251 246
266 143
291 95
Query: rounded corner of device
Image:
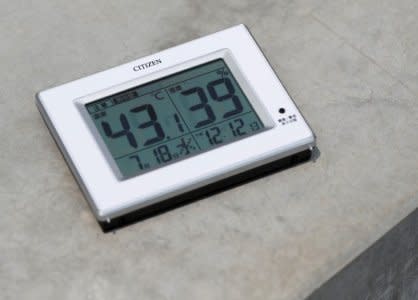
243 26
39 96
314 138
311 138
101 215
312 135
308 139
105 213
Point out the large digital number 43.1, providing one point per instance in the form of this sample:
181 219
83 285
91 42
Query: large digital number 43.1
126 129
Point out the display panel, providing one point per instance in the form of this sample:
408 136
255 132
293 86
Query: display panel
173 118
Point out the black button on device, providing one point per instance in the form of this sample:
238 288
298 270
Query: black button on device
282 110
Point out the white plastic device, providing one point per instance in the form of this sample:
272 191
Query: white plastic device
108 192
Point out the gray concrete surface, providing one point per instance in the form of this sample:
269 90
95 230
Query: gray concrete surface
388 270
351 66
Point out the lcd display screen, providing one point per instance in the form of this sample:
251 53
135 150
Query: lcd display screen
173 118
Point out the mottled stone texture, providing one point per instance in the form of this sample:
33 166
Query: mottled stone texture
352 68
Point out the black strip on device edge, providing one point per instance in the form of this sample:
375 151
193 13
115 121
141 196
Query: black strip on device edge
205 191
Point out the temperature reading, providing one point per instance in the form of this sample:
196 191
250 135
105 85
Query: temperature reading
174 117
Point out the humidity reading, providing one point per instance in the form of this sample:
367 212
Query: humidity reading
173 118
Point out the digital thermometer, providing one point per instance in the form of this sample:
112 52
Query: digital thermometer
175 125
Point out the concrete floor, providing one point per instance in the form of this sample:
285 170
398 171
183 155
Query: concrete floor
388 270
351 67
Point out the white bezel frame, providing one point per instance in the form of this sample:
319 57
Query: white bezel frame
110 195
